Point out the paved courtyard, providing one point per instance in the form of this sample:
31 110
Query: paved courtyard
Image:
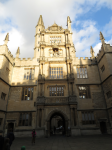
100 142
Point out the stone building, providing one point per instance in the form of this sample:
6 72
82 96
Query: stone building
55 88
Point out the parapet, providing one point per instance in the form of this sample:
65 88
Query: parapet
84 61
105 48
5 51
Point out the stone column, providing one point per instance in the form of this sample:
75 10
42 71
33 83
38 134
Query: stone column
74 117
43 51
41 69
37 117
66 38
68 69
43 89
71 109
40 52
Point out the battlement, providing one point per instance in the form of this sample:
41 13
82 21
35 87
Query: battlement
84 61
105 48
5 51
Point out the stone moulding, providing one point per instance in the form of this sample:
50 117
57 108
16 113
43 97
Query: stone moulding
56 100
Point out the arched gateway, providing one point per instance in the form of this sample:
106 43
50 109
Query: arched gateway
64 123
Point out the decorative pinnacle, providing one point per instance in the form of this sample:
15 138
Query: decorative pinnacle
6 39
18 51
92 52
102 37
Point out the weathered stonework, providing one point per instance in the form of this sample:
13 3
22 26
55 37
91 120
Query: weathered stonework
54 48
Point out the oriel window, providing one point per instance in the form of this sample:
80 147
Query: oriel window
56 72
84 92
82 72
25 119
27 93
56 91
29 73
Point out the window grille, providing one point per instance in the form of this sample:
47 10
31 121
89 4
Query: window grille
56 72
88 117
25 119
82 72
3 95
56 91
27 93
102 68
29 73
108 94
84 92
55 39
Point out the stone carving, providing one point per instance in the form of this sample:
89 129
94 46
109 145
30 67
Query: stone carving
40 100
102 37
92 52
56 100
18 52
55 53
73 99
6 39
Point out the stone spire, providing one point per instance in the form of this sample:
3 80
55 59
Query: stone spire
69 24
92 52
40 21
6 39
18 53
102 38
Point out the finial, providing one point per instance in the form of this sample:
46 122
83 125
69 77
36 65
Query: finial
102 38
18 53
6 39
92 52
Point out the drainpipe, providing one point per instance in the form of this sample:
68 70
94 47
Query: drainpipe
6 113
7 103
104 99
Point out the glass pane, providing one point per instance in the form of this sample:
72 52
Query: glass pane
86 117
92 116
82 116
89 115
80 75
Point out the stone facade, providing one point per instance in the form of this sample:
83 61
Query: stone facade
55 84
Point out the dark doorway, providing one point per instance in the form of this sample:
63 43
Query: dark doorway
103 127
57 124
10 127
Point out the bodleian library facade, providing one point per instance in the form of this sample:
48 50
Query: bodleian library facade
55 88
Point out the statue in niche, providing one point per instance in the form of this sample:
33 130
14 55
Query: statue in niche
55 53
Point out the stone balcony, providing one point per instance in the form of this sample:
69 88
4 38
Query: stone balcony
56 100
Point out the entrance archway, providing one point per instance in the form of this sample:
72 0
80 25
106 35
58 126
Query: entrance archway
57 123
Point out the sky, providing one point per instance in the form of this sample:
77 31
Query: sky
89 17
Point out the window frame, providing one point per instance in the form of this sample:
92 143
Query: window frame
23 121
109 94
3 96
25 91
31 72
82 71
59 91
102 68
56 72
88 117
85 92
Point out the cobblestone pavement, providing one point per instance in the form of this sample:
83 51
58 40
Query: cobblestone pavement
100 142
